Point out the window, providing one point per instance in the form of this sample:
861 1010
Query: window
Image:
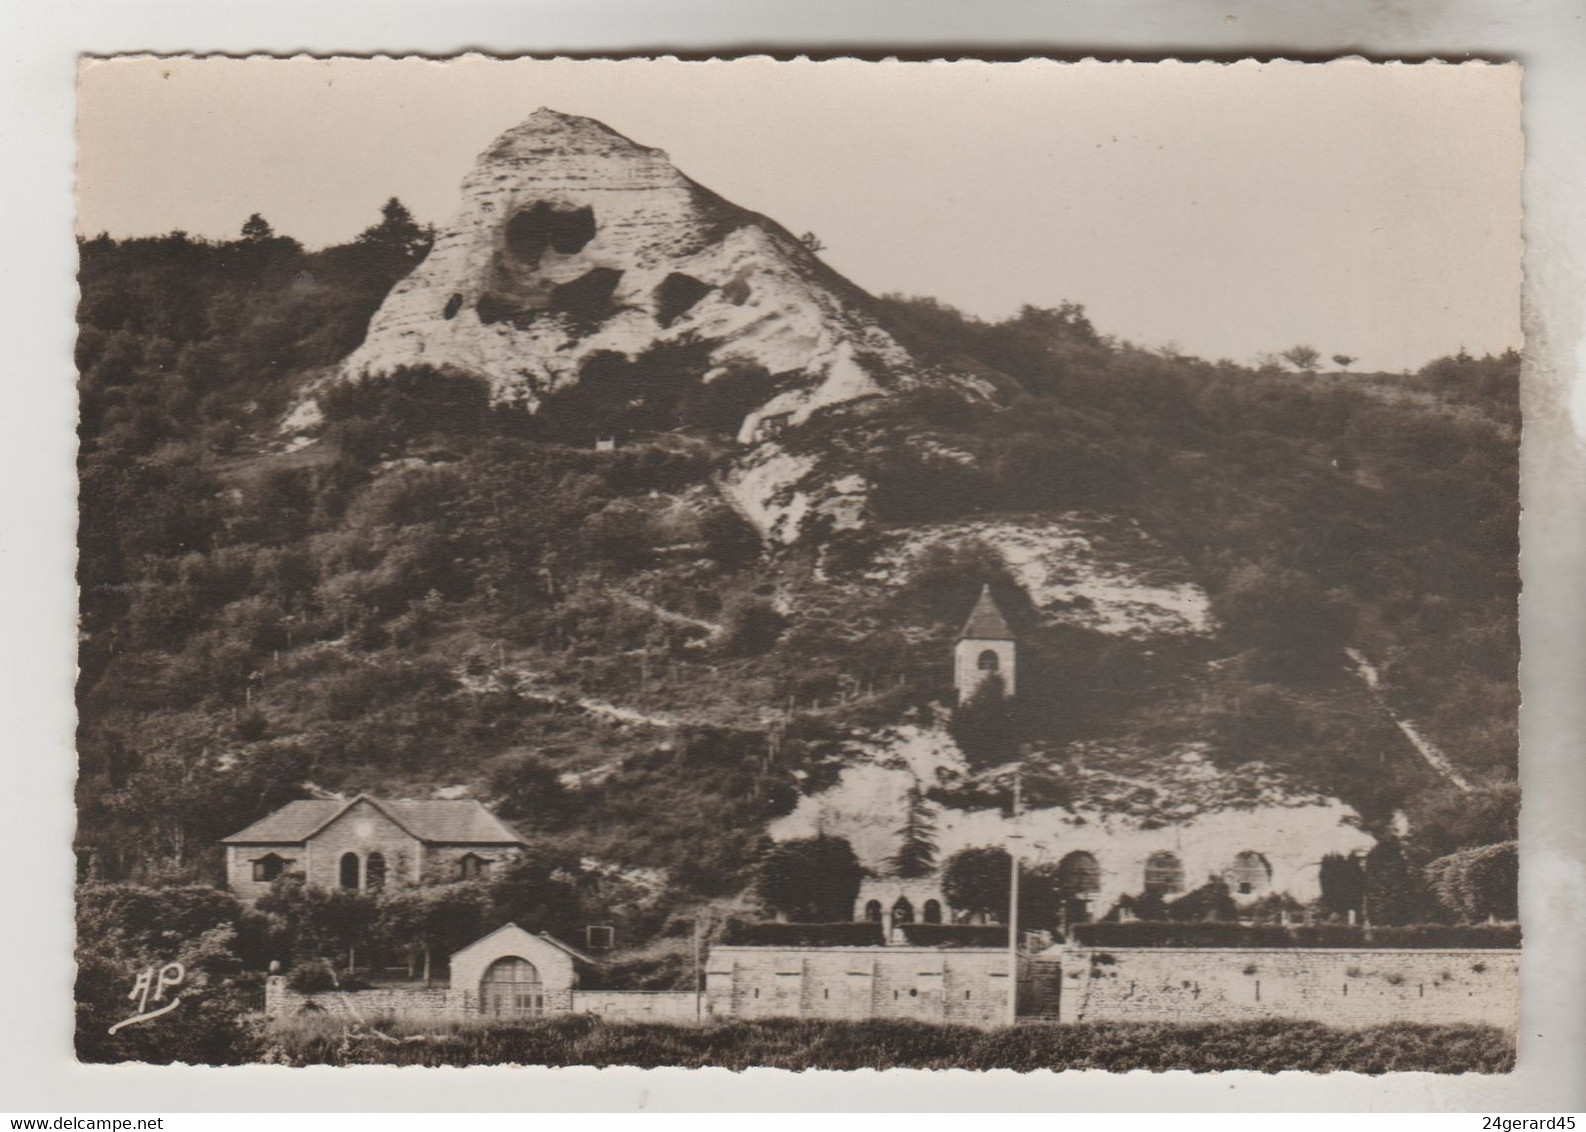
600 937
349 870
471 865
873 911
1079 873
932 912
268 867
989 661
1249 875
1164 874
374 871
902 912
511 987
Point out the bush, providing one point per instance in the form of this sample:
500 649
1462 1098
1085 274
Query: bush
311 978
812 879
886 1043
1477 883
956 935
752 628
847 933
1149 933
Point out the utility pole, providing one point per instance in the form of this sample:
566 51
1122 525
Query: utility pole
699 1006
1013 908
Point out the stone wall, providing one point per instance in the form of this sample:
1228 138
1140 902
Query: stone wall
407 1003
416 1003
668 1006
969 985
1339 987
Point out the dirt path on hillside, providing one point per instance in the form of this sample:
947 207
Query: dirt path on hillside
1428 750
530 687
665 614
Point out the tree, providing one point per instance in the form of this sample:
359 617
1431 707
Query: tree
1480 883
916 855
1393 894
433 918
525 786
975 880
1344 361
984 727
811 879
256 229
539 889
397 234
752 627
1343 881
321 922
1294 625
1305 359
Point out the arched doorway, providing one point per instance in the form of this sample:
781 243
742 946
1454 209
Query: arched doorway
1249 875
902 913
1078 882
1164 874
349 870
511 989
873 911
374 871
932 912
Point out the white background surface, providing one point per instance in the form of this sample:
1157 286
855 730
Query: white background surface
38 46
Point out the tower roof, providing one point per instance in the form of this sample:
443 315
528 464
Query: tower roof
986 622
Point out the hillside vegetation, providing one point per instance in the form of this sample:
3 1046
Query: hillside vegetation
441 593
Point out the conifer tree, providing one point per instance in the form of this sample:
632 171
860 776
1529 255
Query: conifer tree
916 855
256 229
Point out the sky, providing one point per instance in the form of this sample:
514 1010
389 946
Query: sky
1224 211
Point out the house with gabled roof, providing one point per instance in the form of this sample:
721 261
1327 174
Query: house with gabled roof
367 843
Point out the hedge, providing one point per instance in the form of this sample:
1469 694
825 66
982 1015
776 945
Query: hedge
1155 933
955 935
1267 1046
771 933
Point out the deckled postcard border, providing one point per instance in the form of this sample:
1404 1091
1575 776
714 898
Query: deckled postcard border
1551 853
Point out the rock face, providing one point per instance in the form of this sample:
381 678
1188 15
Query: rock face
573 241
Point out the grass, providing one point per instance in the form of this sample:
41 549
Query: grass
1267 1046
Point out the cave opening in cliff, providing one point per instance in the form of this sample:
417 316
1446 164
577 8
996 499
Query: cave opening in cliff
676 294
587 299
542 225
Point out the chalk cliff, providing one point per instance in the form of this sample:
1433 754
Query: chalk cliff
574 241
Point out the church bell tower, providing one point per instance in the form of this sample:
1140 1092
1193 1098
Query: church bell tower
985 648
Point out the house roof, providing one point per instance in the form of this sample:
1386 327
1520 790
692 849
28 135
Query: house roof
546 937
986 622
437 821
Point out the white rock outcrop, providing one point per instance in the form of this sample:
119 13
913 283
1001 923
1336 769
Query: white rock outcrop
573 241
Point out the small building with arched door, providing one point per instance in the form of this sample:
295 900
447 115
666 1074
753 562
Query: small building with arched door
513 973
895 901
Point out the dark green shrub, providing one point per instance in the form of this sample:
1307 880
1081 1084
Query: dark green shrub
956 935
770 933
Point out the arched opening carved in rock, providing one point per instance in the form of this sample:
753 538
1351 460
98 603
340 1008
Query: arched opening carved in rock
565 230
